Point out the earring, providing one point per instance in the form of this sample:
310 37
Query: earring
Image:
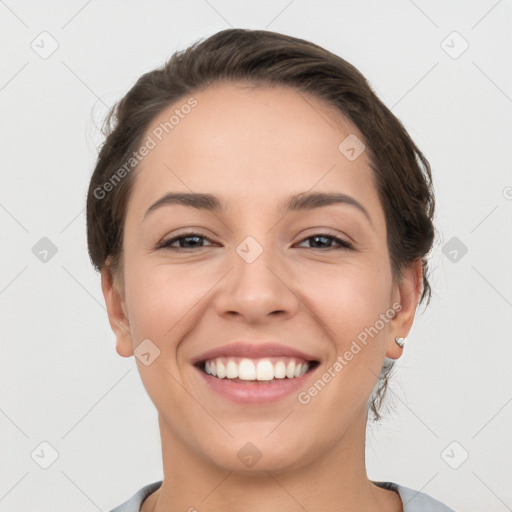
400 342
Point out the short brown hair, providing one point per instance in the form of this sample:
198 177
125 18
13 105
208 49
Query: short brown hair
402 174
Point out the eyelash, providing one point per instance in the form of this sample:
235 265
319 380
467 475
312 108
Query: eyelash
344 245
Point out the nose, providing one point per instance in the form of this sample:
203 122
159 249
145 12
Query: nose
257 291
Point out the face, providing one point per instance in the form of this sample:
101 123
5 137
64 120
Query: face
266 279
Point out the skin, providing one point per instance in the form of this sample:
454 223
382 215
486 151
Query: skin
252 148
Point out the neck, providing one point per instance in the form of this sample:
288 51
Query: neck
335 480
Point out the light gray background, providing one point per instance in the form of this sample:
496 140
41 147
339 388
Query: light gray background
62 381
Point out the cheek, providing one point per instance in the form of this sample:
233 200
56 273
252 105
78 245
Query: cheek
351 302
162 298
163 303
350 305
349 298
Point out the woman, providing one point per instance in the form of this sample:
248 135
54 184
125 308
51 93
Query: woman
261 222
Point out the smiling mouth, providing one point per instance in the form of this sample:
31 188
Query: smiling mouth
266 369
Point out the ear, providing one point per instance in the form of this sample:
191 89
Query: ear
116 309
406 293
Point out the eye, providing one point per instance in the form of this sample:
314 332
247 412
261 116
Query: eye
185 241
322 240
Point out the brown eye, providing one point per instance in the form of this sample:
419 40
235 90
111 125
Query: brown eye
324 241
185 241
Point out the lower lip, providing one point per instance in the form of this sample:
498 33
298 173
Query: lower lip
255 392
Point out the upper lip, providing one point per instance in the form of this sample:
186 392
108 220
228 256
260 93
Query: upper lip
252 351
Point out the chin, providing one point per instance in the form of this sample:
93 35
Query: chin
253 459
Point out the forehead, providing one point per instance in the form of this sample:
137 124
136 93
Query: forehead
255 144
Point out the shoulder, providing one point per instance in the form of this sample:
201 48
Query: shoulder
415 501
134 503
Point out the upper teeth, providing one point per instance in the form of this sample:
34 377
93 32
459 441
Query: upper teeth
260 369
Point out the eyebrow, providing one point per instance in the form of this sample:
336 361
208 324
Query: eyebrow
297 202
